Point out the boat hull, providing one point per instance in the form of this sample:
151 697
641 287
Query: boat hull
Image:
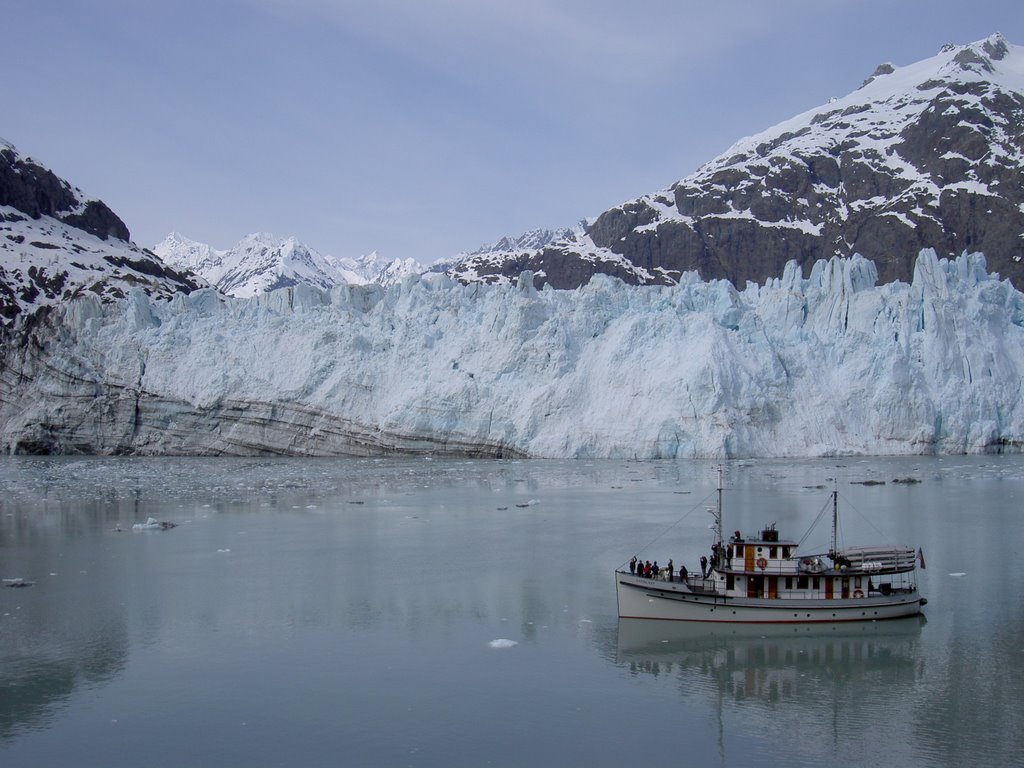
640 598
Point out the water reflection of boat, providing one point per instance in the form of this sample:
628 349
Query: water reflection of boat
772 661
761 579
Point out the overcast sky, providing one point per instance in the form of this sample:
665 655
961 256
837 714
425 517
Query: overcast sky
425 128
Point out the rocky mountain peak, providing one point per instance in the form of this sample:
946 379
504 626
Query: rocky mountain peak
57 244
36 191
927 155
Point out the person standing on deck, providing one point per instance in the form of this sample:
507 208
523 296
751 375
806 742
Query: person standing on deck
703 567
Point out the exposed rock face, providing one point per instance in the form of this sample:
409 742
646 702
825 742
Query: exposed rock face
56 244
928 155
505 259
37 191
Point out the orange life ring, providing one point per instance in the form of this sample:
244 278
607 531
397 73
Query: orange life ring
858 593
762 563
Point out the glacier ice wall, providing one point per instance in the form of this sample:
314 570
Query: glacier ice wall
828 364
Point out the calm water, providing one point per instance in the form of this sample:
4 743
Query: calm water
332 612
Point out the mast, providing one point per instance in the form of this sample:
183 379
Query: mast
835 521
718 511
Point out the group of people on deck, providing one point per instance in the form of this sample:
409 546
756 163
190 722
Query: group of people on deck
651 570
719 556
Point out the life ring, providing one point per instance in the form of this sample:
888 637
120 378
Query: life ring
762 563
858 593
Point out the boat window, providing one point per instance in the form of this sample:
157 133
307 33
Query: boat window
785 551
856 583
739 550
789 582
801 582
817 582
773 552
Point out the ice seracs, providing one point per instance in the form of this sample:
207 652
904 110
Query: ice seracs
824 364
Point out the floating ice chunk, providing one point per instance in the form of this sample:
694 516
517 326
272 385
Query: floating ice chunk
223 550
502 643
152 524
959 573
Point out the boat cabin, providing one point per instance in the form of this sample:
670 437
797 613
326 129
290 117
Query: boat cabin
766 566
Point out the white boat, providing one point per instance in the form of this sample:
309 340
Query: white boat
763 580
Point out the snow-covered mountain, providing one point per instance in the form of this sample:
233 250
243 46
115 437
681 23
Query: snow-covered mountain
57 243
928 155
374 268
496 262
262 262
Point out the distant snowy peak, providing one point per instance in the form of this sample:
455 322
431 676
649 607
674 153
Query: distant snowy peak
530 240
496 262
188 254
374 268
257 264
261 262
928 155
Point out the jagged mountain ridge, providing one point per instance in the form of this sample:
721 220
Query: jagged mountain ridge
261 262
466 267
926 155
57 243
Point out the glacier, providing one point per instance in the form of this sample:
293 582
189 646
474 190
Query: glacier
824 365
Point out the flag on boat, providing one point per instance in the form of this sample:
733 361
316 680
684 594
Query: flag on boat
920 557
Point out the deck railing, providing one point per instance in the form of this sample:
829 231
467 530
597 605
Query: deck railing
713 586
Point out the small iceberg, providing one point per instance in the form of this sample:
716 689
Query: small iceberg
502 643
152 524
958 573
17 583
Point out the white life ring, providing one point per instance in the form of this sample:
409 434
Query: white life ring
762 563
858 593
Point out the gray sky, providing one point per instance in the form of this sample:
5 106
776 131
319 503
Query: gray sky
424 128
